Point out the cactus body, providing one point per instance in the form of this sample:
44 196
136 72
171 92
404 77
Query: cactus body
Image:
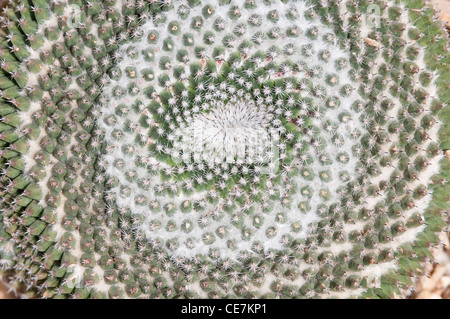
257 148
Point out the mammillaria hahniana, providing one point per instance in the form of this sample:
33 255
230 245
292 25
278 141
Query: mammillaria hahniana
218 148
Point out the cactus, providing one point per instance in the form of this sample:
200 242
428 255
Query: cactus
220 148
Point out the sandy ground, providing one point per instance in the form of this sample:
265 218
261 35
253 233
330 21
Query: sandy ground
436 285
4 292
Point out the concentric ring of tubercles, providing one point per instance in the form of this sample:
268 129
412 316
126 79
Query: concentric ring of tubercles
66 230
190 96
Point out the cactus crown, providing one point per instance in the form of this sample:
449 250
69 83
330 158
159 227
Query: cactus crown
188 148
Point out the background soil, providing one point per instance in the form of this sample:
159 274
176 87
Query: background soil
435 285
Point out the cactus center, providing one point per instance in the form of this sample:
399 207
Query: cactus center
228 133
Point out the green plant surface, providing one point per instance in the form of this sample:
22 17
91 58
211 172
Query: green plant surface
221 149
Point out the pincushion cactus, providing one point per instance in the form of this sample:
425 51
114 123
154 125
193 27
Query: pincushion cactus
212 149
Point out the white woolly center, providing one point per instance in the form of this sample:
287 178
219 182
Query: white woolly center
226 134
